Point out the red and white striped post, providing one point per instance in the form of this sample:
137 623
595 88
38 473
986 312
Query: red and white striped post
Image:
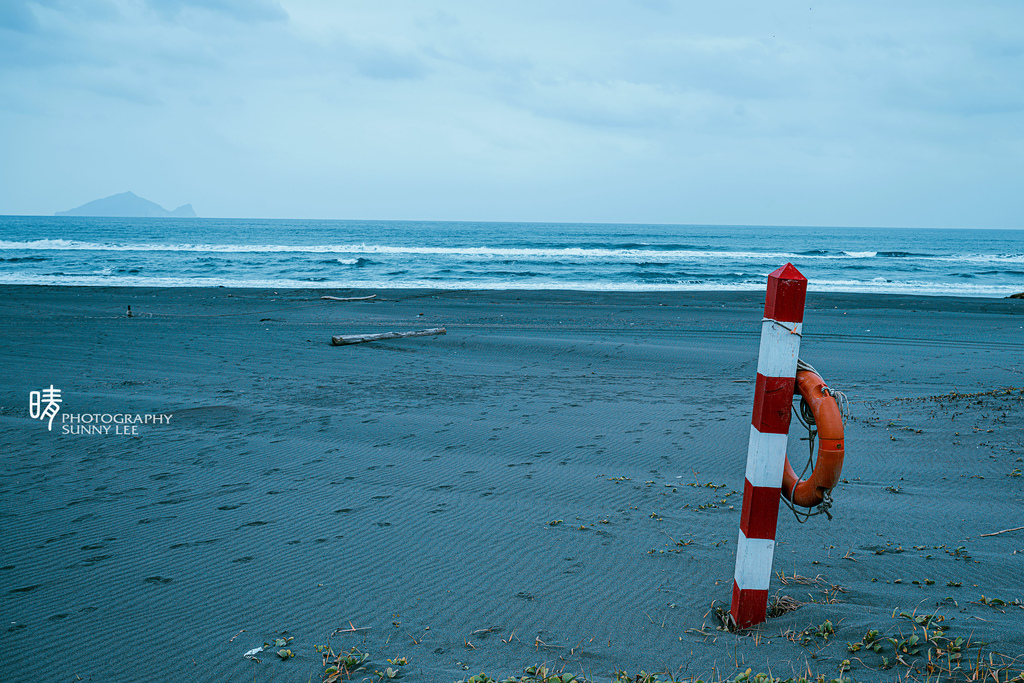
766 454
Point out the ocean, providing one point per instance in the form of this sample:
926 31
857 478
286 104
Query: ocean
351 254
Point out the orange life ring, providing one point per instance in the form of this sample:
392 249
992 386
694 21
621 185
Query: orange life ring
829 466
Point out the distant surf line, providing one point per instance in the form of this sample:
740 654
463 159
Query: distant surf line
611 254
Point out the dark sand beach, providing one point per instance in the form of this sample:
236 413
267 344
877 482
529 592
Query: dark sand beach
402 496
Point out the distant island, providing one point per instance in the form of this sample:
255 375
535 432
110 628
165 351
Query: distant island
128 205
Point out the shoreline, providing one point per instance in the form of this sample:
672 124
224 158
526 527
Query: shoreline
307 488
861 298
652 291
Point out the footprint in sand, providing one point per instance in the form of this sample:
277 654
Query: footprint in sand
157 580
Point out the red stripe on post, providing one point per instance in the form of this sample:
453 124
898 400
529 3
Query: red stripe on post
760 512
784 300
773 403
748 606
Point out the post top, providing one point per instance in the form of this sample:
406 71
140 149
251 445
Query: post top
784 299
787 272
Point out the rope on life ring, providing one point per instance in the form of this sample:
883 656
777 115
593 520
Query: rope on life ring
825 419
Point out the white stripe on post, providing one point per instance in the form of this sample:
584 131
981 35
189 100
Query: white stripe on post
766 453
752 556
780 345
762 468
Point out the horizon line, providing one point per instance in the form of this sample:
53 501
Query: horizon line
522 222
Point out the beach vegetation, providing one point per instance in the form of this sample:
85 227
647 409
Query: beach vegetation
783 604
532 674
999 602
928 650
639 677
829 591
809 635
709 485
749 677
947 660
341 666
955 395
279 643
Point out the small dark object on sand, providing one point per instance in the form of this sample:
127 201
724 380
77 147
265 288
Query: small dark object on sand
129 313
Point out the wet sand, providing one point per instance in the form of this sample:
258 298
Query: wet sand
411 488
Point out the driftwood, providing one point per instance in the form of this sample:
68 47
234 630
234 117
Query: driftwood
343 339
996 533
350 298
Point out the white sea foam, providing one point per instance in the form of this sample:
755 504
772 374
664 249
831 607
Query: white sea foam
486 252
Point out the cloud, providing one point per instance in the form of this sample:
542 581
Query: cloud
380 60
289 106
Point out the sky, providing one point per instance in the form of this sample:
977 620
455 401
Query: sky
868 113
